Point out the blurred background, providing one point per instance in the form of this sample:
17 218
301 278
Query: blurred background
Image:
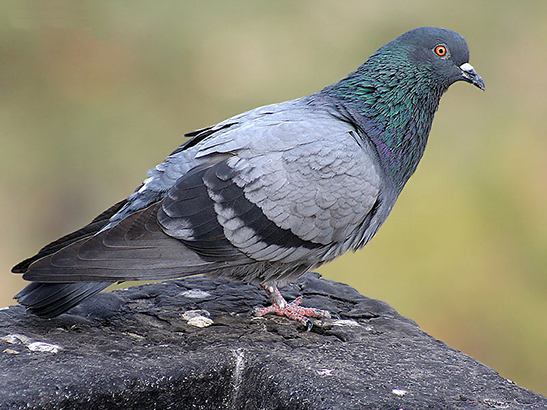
93 94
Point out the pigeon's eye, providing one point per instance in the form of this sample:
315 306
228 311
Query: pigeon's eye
441 50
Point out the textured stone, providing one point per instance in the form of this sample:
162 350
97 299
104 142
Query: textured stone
141 349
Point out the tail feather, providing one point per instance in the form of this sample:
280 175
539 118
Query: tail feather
51 299
87 231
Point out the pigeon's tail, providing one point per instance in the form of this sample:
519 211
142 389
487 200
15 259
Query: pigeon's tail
51 299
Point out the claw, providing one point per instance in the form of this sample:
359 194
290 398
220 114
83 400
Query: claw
291 310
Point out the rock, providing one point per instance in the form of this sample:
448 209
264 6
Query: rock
194 344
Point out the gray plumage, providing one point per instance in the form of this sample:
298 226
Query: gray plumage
268 194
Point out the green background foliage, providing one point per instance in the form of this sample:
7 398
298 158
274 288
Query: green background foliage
95 93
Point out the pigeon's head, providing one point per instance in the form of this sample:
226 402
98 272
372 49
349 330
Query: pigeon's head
437 54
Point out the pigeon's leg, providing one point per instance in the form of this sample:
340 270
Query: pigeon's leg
291 310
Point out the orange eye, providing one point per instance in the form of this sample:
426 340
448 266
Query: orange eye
441 51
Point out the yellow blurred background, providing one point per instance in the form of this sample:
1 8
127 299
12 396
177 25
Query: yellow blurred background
93 94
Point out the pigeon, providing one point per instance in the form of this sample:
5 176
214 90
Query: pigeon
268 194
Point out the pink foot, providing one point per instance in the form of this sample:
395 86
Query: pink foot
291 310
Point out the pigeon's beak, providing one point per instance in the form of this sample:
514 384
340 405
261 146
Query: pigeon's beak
470 75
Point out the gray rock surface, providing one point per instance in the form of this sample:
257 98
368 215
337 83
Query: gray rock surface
143 348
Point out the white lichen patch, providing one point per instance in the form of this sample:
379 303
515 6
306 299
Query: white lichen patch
324 372
29 344
345 322
199 318
44 347
195 294
16 339
134 335
189 314
496 404
200 321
